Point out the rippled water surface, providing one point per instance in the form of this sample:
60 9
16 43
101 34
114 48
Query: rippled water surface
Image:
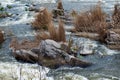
106 62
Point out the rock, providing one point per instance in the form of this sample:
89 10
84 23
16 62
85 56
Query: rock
49 54
112 37
1 36
32 8
57 12
86 49
4 15
36 9
49 48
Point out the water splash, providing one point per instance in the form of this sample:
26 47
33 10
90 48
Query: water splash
20 71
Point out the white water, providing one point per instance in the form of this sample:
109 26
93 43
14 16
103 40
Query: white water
16 71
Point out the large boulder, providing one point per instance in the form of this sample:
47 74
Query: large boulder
49 54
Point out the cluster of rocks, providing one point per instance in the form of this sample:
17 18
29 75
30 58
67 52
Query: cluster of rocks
49 54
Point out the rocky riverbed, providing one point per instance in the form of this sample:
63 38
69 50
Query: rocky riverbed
106 62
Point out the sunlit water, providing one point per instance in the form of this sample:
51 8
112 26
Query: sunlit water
106 62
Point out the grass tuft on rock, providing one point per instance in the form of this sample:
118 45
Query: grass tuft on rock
61 32
56 34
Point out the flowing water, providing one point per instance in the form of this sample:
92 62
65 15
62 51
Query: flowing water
106 62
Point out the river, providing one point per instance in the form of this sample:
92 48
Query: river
106 62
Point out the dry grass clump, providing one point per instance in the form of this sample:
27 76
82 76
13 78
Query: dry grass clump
102 31
97 14
53 33
82 22
42 36
42 20
57 34
116 16
59 5
25 44
74 13
87 21
14 44
61 31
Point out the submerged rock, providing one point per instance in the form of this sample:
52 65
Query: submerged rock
49 54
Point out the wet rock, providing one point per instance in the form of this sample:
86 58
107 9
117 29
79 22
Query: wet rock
32 8
4 15
64 16
57 12
87 49
112 37
1 36
49 54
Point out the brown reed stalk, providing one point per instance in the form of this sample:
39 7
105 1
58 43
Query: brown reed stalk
42 36
57 34
61 31
87 21
52 32
97 13
82 22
